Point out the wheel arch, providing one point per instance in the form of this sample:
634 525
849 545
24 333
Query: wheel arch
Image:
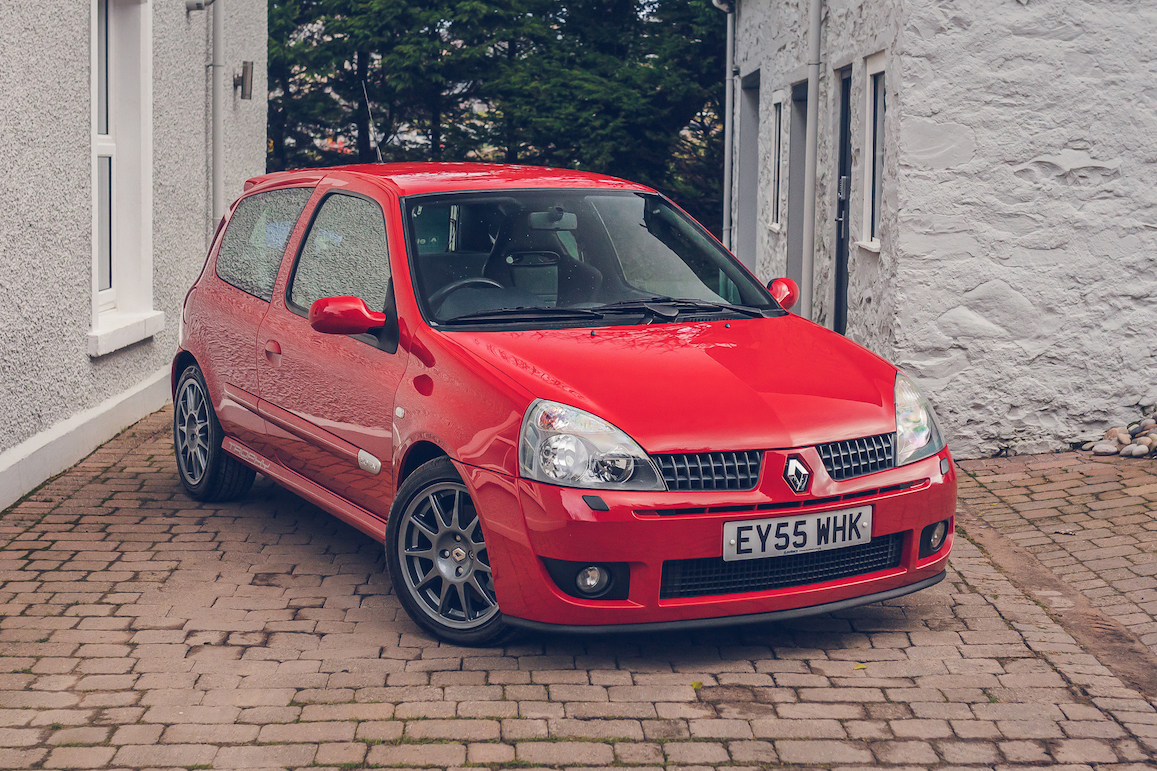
419 453
182 360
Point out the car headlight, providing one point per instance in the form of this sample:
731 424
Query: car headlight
566 446
917 435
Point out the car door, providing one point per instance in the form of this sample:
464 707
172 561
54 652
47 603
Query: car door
328 399
231 304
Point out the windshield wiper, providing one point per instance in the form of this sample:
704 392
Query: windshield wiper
672 307
523 313
748 310
655 306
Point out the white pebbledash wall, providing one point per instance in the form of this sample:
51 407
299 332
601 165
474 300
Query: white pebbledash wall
57 402
1017 272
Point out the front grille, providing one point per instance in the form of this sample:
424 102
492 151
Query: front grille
856 457
710 576
711 470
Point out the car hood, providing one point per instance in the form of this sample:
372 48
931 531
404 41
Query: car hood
711 386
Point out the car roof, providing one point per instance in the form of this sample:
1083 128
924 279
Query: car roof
418 178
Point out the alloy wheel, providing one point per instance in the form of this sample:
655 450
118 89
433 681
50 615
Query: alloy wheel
192 429
444 559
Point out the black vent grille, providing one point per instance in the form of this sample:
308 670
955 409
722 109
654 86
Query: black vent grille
856 457
711 470
710 576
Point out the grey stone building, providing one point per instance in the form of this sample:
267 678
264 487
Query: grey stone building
107 207
985 197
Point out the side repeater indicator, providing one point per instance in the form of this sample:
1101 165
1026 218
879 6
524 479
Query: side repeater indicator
796 474
369 462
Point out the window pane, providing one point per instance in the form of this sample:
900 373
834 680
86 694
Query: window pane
254 241
432 229
659 253
104 222
776 162
345 255
102 66
877 150
567 248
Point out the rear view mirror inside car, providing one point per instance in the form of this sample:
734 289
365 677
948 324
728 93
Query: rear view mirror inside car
554 219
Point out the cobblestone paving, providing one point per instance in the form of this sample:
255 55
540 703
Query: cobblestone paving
139 630
1092 521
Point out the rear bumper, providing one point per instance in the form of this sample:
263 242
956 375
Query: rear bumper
526 521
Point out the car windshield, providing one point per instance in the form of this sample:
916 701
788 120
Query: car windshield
524 257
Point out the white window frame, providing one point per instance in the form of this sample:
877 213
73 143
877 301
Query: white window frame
123 314
746 175
873 65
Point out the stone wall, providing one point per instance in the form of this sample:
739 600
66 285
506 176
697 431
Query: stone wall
1027 198
46 374
1017 271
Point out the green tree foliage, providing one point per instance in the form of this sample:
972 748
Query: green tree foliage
626 87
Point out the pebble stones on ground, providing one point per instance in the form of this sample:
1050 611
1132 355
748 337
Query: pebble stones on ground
1135 441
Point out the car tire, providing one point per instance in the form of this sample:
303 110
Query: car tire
207 472
438 560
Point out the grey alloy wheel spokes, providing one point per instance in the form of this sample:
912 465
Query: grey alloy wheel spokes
192 431
444 559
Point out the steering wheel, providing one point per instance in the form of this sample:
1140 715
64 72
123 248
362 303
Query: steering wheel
454 286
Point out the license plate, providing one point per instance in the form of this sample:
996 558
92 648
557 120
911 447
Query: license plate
754 539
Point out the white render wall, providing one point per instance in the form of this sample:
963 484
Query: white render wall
1017 275
46 375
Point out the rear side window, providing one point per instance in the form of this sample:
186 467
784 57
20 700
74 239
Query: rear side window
254 241
345 255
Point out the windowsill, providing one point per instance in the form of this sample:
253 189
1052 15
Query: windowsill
870 246
775 227
115 330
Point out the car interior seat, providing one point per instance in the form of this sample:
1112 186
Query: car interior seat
535 260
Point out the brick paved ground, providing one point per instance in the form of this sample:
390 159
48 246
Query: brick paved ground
1092 521
139 630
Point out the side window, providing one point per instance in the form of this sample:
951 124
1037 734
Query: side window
345 254
254 242
432 228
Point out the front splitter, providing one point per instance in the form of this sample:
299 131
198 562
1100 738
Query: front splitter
721 621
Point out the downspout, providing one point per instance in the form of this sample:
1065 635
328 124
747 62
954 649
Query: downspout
728 109
810 159
217 70
217 104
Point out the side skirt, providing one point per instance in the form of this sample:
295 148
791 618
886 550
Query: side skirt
347 512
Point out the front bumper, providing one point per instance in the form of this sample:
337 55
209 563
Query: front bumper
701 623
526 521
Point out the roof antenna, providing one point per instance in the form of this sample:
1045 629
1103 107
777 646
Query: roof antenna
370 112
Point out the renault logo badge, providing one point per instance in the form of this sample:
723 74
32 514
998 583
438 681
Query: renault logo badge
796 474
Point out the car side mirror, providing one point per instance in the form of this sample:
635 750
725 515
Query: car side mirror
785 291
344 316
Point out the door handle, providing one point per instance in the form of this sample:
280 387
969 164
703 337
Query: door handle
273 352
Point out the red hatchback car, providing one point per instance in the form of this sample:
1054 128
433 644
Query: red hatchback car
557 400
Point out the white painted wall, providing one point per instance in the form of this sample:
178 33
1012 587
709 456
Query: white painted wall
1017 274
47 378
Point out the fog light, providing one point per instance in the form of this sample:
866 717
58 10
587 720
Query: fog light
603 581
932 537
936 540
592 579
